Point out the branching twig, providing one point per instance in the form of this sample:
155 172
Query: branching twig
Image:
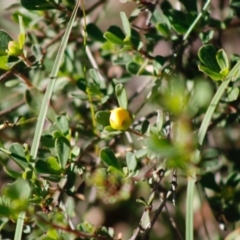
155 217
75 232
173 223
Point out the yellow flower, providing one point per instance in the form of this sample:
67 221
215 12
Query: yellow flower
120 119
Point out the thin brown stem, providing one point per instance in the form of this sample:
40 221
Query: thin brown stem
173 223
155 217
12 108
24 79
136 133
75 232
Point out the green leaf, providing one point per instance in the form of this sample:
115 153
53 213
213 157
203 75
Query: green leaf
12 173
145 222
206 36
48 141
53 178
34 100
222 59
51 166
207 55
134 69
161 146
145 126
141 153
233 93
212 74
18 155
224 72
163 29
234 73
126 24
121 95
4 40
5 210
102 117
135 39
81 84
107 156
113 38
94 32
96 78
3 62
21 36
190 5
18 190
235 4
115 35
208 181
232 76
158 62
131 161
233 179
62 146
37 4
52 234
63 124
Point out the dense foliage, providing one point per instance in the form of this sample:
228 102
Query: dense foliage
120 124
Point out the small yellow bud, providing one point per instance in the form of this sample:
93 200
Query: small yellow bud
13 49
120 119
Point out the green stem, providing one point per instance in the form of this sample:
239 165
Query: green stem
232 76
84 68
208 116
44 107
19 227
196 20
53 77
189 208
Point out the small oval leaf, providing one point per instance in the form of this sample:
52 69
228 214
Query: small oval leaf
102 117
121 95
131 161
18 155
62 146
107 156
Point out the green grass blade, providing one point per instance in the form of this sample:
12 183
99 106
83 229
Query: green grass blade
196 20
44 107
19 227
53 76
189 209
208 116
232 76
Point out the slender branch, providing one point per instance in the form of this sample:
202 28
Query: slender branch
196 20
75 232
24 79
136 133
173 223
155 217
12 108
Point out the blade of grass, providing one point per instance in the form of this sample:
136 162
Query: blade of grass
196 20
53 77
189 208
232 76
19 227
44 107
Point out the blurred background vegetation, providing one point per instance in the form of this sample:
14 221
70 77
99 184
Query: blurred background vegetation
159 70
